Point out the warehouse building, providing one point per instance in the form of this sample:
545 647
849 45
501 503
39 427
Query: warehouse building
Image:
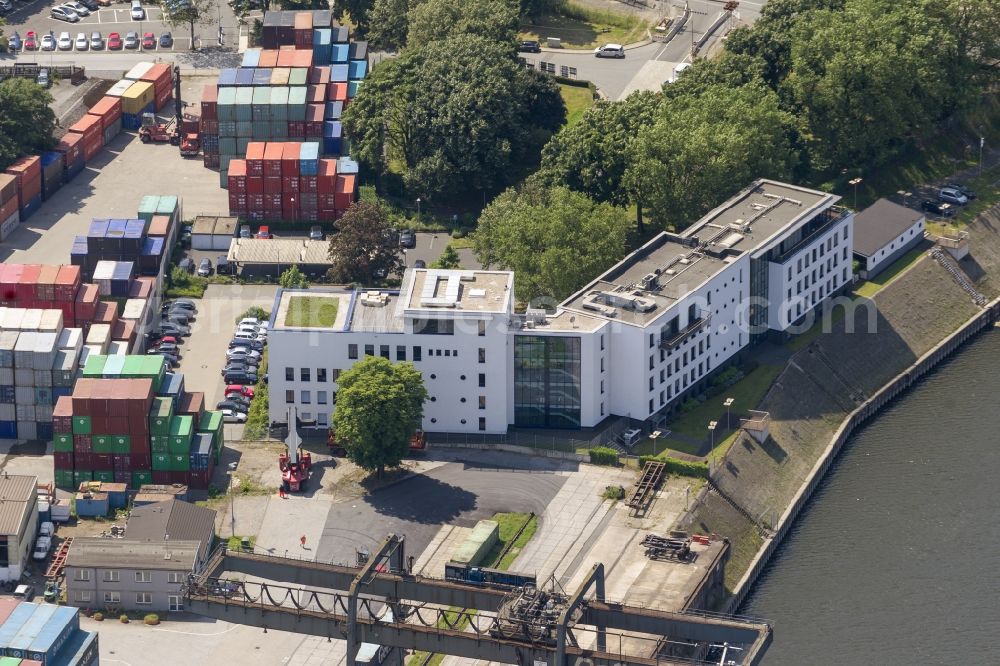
18 523
635 342
883 233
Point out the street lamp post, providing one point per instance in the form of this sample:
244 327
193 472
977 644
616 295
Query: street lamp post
232 498
855 182
418 207
982 140
728 403
711 429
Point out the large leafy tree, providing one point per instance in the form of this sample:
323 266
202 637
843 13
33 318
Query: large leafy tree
433 20
189 13
592 155
868 78
356 10
703 148
362 249
460 114
26 120
555 240
379 407
388 24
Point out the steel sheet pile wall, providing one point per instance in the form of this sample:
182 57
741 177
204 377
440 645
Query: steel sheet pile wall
293 89
130 421
44 635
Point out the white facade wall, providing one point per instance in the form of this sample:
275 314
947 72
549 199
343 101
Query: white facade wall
813 272
887 253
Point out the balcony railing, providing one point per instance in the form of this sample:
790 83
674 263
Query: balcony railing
668 341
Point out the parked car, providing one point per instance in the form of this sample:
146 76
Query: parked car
407 238
131 40
42 546
236 389
243 342
241 364
242 351
315 232
245 231
420 263
610 51
185 316
82 43
170 328
64 14
937 208
78 8
205 267
529 46
952 196
15 43
240 377
114 41
24 592
166 40
65 42
264 232
138 13
96 41
962 189
187 263
90 4
6 7
47 528
43 78
252 321
233 405
148 40
185 303
229 416
180 324
222 265
49 42
30 41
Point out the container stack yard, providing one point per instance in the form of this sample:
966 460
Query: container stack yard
146 88
130 421
35 634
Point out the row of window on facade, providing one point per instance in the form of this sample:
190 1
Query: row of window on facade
385 352
831 242
114 576
174 601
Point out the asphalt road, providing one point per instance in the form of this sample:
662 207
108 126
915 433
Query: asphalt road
457 493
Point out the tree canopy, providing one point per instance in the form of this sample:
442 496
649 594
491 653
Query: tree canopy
555 240
380 405
460 113
26 119
388 24
434 20
361 250
448 259
293 278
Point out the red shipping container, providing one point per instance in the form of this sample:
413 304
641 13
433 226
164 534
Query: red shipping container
290 159
238 176
84 460
255 158
6 210
103 460
238 203
315 94
272 159
105 313
141 459
30 188
108 109
290 214
286 58
62 415
308 184
290 184
176 477
210 102
272 185
336 92
163 98
255 185
62 460
314 130
302 57
255 202
319 76
268 58
26 167
211 160
209 126
272 202
46 291
314 113
161 478
200 480
345 191
71 147
326 201
159 75
85 307
296 129
326 214
27 287
89 126
124 329
67 283
92 147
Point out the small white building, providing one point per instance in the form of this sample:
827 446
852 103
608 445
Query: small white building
213 233
884 232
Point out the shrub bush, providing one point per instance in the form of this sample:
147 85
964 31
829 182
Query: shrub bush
99 616
123 618
151 619
603 455
679 467
458 233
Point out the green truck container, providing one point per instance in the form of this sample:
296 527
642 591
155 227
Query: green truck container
62 443
81 476
147 207
160 414
94 367
64 479
81 425
121 444
141 477
181 430
161 462
105 476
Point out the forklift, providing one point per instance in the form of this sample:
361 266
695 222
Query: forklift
169 132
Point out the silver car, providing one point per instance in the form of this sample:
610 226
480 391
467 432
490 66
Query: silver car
65 42
131 40
64 14
96 41
82 43
77 8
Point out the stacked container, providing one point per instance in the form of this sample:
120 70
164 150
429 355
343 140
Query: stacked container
71 147
163 83
140 98
27 173
92 130
109 110
10 210
53 172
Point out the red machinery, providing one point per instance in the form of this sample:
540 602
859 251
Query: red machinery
152 131
294 464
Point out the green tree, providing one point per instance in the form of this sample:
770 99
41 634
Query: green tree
592 156
357 10
191 13
26 120
388 24
702 148
435 20
535 8
379 407
555 240
293 278
437 109
360 251
449 258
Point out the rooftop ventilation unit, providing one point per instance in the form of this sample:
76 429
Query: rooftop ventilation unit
535 316
593 302
375 299
651 281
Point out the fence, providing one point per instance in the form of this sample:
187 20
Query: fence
533 442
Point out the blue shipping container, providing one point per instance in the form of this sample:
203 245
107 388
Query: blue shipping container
357 69
152 246
60 391
262 76
12 625
76 167
116 229
352 89
98 229
338 73
309 158
31 207
333 111
135 228
339 53
7 395
44 428
64 624
244 76
250 58
8 429
227 77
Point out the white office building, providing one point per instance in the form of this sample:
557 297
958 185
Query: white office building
634 342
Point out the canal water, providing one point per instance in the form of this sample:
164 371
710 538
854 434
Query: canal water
896 559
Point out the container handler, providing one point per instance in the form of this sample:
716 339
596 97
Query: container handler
295 464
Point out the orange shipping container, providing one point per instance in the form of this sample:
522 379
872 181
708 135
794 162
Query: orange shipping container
26 168
8 188
159 76
286 58
268 58
89 126
159 226
109 109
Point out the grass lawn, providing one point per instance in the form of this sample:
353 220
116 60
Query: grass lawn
746 393
578 99
311 311
236 543
872 287
582 27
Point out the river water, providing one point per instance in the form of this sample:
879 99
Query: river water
896 559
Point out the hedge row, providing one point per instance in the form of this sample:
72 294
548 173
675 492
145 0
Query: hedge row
679 467
603 455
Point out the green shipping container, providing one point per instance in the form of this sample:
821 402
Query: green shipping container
160 414
147 207
244 129
141 477
81 425
102 443
279 129
262 103
297 103
261 129
121 444
279 100
298 76
224 179
227 104
132 367
64 479
159 444
168 206
181 429
80 476
180 462
62 443
242 143
104 476
161 462
94 367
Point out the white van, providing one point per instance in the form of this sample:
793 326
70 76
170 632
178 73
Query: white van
610 51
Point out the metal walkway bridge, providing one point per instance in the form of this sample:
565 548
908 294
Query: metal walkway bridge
502 625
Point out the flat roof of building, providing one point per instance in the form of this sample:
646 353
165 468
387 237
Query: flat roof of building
343 298
879 224
279 251
96 552
375 310
438 290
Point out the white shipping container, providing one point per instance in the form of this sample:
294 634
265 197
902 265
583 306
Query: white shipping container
140 68
32 319
69 338
99 335
8 340
43 378
118 348
43 413
8 412
27 429
119 88
103 273
8 226
12 319
6 377
45 351
24 376
52 321
25 413
134 308
24 395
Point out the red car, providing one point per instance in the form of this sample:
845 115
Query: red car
236 389
148 40
115 41
169 339
264 232
31 41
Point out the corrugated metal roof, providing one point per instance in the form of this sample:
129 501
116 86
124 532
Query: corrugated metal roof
17 496
279 251
175 519
97 552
